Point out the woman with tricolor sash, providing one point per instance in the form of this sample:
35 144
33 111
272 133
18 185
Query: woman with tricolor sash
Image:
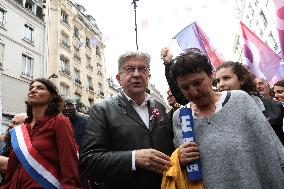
44 152
229 138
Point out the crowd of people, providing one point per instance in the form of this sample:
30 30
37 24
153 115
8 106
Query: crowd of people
131 141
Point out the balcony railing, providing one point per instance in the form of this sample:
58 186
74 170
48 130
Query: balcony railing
78 89
28 75
91 88
66 72
90 67
65 44
66 22
28 40
77 57
2 23
78 81
100 73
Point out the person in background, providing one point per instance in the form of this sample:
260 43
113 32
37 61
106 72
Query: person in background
167 57
234 142
18 119
46 138
279 90
78 121
173 103
128 138
235 76
263 87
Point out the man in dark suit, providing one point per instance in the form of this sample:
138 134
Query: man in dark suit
78 121
273 110
128 138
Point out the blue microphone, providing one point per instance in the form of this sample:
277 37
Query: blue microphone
187 124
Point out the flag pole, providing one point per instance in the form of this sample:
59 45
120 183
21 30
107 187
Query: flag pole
136 32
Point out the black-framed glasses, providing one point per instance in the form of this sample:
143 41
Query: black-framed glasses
131 69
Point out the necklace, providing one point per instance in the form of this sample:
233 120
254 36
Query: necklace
208 121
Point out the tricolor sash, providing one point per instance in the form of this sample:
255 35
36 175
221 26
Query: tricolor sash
34 163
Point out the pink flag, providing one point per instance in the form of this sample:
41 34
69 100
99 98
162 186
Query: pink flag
215 56
193 36
279 6
144 23
258 57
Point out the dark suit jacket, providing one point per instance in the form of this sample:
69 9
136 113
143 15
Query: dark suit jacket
113 130
274 114
79 122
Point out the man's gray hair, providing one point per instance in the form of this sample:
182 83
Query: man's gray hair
136 55
265 82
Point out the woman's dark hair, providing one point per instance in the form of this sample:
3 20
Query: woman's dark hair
243 74
55 104
192 61
280 83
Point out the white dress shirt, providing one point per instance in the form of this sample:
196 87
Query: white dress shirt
143 112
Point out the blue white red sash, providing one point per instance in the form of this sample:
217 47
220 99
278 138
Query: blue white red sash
34 163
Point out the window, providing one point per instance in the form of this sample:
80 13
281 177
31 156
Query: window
64 89
27 66
28 33
88 42
98 52
261 33
101 89
99 67
88 60
31 6
110 82
77 54
91 101
251 9
77 97
88 63
64 40
263 18
64 17
2 17
77 76
256 3
273 41
64 65
1 54
76 32
90 83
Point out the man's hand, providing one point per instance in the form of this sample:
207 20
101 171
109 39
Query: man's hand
3 164
188 152
166 55
152 160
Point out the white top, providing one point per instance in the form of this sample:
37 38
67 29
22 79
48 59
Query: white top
142 110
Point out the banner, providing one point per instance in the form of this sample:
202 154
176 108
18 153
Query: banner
258 57
193 36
